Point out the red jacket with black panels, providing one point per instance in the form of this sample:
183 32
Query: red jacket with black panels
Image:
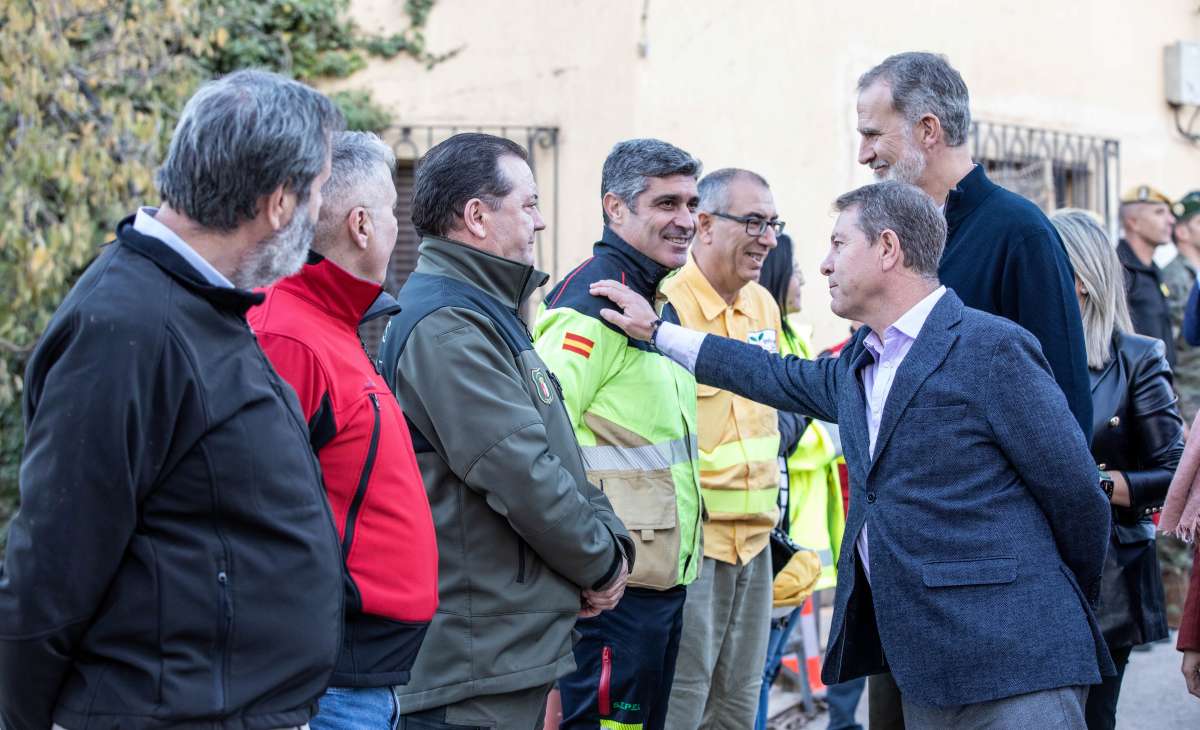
308 327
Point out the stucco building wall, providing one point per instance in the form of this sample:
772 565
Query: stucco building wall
770 85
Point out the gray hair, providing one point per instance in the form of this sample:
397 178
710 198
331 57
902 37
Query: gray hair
714 188
907 211
632 161
926 83
1104 309
361 169
240 138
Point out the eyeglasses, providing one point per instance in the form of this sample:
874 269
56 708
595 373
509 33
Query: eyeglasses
755 226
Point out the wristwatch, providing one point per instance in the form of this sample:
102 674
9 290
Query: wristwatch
654 332
1106 482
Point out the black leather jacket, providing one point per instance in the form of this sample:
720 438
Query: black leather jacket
1137 431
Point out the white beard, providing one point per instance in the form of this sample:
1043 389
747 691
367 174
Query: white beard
279 255
909 167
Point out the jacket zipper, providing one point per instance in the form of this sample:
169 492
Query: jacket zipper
520 560
361 492
224 625
557 384
605 681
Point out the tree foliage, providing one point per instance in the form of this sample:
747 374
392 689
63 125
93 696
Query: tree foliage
90 91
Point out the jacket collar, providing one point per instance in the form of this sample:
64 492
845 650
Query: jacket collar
642 273
167 259
1098 376
1130 260
931 347
711 303
511 282
965 197
333 290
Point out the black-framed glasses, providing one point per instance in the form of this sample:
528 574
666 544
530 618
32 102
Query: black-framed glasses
755 225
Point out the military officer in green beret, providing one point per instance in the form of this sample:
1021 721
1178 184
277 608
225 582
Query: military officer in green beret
1146 222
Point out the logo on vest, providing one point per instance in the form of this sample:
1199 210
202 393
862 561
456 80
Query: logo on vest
541 386
764 339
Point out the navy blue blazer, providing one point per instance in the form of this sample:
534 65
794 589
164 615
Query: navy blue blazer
987 525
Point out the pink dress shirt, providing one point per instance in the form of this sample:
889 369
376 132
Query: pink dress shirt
878 376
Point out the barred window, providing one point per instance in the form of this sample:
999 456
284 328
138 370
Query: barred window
1053 169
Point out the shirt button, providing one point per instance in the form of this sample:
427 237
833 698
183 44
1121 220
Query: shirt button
870 498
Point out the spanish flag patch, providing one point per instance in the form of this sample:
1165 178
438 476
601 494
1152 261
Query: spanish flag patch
577 344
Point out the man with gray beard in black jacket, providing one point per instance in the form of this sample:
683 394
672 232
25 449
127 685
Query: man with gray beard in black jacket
174 562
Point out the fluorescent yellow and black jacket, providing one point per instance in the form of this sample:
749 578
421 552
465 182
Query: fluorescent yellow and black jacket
634 412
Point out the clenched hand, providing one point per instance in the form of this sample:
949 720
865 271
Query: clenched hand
607 597
1191 671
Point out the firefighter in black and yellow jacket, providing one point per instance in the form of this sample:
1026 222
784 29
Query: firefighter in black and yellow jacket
634 414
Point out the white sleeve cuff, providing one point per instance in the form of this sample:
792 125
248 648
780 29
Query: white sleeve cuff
680 344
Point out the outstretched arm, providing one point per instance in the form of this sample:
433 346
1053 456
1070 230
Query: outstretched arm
784 383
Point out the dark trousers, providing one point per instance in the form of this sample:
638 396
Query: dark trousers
884 711
1101 709
625 662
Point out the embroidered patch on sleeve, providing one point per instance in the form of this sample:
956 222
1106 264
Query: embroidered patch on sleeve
764 339
577 344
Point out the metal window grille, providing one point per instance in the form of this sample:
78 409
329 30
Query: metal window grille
1053 169
411 142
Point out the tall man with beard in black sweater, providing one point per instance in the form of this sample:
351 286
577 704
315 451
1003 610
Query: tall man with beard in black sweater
1002 254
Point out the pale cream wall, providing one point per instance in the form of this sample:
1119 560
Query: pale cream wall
769 85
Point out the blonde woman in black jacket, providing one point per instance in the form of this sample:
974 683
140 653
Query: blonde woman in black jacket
1137 440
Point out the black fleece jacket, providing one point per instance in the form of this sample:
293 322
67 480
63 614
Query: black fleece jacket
174 562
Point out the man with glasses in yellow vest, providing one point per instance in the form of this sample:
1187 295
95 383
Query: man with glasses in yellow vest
634 414
728 612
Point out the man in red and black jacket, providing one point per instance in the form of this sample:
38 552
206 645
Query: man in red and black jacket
308 327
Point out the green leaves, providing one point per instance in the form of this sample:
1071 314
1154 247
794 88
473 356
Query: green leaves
361 111
90 91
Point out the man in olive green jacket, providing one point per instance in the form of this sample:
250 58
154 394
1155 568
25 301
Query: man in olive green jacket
526 544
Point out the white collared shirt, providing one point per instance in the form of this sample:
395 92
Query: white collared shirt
146 224
888 353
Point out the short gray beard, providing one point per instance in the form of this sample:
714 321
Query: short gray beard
910 167
281 254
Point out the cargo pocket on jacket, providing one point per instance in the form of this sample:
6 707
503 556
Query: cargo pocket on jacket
645 502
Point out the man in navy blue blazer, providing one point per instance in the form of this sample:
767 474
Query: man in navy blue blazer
978 523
